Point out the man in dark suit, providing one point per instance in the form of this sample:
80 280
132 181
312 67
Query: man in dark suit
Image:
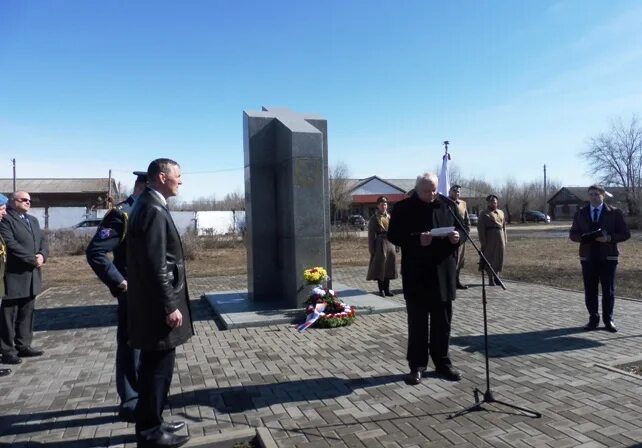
110 237
429 271
598 228
159 317
26 252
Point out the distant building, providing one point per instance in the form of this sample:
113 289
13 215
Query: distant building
93 194
365 192
568 200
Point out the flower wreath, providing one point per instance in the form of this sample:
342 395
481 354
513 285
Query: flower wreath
323 308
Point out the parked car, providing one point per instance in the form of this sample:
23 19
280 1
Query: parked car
473 219
357 221
87 226
536 216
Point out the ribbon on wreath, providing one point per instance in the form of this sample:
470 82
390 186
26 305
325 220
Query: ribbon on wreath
318 311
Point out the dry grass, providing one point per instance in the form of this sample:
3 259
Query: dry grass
539 259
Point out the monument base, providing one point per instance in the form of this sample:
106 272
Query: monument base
235 310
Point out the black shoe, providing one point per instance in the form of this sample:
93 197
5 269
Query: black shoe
592 325
5 372
448 372
414 377
163 440
461 286
10 359
382 294
172 426
389 294
30 352
125 415
610 326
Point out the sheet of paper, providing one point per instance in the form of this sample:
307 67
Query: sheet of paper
441 232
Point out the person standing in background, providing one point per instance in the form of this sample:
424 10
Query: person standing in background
453 194
27 251
491 230
598 228
383 260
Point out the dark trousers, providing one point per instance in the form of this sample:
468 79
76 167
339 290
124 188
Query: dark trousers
428 331
16 326
154 379
127 362
596 273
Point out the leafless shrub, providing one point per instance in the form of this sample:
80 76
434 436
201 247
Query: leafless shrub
194 245
66 242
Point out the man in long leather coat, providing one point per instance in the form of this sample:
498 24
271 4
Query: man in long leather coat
159 317
429 273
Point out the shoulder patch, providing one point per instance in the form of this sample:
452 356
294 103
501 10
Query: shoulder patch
104 233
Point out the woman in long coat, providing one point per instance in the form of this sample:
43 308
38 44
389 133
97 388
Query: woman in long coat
491 228
383 259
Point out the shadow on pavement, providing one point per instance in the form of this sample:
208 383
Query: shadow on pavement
531 342
92 316
243 398
38 422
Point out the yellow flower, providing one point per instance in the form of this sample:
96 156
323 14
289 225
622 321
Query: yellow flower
315 275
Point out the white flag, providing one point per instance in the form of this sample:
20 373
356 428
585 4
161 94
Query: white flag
444 178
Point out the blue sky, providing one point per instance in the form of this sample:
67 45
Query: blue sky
86 86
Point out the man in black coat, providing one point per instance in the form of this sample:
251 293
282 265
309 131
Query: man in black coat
598 228
159 317
27 251
110 237
429 273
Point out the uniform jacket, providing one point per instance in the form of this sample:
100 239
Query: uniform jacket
22 277
434 263
110 237
157 285
3 262
463 213
611 221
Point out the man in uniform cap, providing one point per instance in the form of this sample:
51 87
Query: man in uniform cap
454 194
110 237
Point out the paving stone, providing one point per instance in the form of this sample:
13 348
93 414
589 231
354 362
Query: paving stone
340 387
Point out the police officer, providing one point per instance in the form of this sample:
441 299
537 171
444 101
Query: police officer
110 237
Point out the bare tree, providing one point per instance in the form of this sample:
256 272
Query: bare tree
509 194
340 198
232 201
616 156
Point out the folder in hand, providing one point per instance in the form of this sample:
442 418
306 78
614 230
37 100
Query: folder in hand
590 236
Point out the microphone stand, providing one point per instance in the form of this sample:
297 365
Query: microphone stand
487 397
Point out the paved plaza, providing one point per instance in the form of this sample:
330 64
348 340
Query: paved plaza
341 387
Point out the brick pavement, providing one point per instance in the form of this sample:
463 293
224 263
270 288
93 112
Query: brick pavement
340 387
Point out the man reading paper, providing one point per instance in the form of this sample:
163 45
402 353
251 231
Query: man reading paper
428 268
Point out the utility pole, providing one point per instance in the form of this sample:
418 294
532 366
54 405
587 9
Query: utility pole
545 205
14 174
446 143
109 198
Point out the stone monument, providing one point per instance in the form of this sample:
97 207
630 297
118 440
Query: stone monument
287 203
